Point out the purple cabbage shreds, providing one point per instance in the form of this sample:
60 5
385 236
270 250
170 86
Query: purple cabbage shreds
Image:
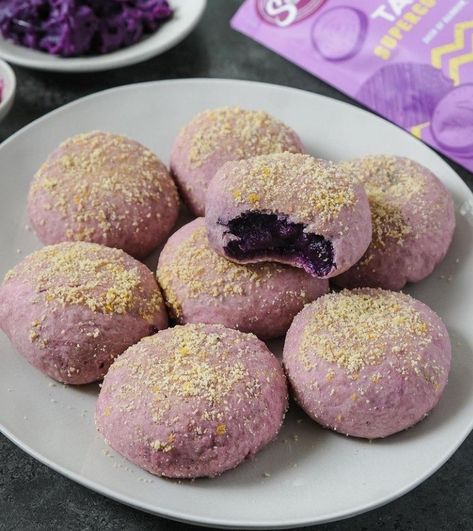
2 87
80 27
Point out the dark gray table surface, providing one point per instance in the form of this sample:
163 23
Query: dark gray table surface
34 497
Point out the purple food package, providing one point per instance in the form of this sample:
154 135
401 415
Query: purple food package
411 61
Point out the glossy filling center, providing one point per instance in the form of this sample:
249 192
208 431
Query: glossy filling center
263 235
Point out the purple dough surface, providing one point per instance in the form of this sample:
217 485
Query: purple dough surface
367 362
289 208
200 286
413 220
216 136
192 401
71 308
339 33
103 188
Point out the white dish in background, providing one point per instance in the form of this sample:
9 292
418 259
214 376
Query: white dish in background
187 14
9 88
308 475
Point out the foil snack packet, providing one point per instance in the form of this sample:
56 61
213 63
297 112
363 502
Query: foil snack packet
410 61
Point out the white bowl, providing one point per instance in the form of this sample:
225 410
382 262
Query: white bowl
187 14
9 88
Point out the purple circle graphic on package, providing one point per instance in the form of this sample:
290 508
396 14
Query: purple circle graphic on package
452 123
339 33
405 93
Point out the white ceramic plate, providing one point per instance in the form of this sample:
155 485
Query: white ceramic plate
308 475
9 88
187 15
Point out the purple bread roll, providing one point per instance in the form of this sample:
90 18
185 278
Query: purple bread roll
103 188
200 286
192 401
217 136
289 208
367 362
339 33
71 308
413 221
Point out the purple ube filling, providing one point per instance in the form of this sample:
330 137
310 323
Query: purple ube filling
79 27
269 236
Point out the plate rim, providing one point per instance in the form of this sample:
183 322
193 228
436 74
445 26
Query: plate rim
102 62
216 523
210 521
9 90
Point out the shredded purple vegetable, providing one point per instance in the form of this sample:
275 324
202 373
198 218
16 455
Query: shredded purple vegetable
80 27
2 87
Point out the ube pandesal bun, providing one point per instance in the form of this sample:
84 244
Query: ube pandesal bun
200 286
103 188
413 220
367 362
71 308
216 136
192 401
289 208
